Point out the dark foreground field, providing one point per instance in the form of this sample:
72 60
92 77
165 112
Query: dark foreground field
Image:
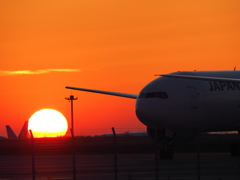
135 159
105 145
214 166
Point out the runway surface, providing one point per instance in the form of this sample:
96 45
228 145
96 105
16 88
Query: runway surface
214 166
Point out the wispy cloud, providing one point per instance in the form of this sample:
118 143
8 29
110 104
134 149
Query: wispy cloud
65 70
42 71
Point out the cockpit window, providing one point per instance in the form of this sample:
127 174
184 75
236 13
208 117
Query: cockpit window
158 94
150 95
162 95
142 95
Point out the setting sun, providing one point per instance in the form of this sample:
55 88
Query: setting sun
48 123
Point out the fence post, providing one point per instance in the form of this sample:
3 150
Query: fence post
73 155
33 155
198 153
239 144
156 152
115 153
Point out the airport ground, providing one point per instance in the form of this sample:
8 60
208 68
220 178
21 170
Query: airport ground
135 159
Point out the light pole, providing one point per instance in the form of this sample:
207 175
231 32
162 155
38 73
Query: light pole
72 132
71 98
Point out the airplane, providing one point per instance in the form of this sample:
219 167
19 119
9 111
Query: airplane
23 133
176 107
10 132
3 137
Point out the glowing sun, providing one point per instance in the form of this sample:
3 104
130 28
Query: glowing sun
48 123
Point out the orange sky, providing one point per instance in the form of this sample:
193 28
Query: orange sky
108 45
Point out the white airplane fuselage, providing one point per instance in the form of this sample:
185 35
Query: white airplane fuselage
181 104
177 105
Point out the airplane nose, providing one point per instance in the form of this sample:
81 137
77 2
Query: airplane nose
145 112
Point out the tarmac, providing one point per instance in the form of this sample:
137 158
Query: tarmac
142 166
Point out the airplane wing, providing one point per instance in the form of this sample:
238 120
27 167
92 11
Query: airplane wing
200 78
126 95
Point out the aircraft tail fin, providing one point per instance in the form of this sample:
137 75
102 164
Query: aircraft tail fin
24 131
10 132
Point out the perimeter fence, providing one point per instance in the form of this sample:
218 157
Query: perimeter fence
109 158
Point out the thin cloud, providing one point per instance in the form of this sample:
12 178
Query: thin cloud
44 71
64 70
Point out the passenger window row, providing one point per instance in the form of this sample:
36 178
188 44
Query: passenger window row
162 95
